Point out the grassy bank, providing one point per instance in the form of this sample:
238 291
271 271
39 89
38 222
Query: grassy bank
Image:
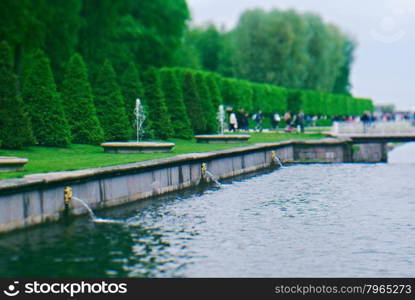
44 159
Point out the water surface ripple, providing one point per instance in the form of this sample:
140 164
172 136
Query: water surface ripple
341 220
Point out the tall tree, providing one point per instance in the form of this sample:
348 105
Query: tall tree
62 21
160 25
49 124
342 84
209 112
110 106
193 104
157 109
146 32
22 28
96 38
271 47
227 55
214 90
174 99
79 104
208 42
285 48
15 127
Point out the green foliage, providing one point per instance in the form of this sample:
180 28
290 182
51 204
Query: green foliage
342 84
295 101
229 92
271 47
284 48
79 104
266 97
110 106
278 99
132 89
193 103
245 94
157 110
209 112
173 95
258 97
212 81
146 32
292 61
62 22
15 130
207 41
21 27
49 124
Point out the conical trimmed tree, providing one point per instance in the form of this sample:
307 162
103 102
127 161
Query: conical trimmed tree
15 129
78 103
215 94
43 102
193 104
173 95
204 96
156 106
131 88
109 105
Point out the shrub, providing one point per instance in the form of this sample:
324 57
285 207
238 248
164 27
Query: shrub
207 106
78 103
271 98
229 92
49 123
244 94
15 127
110 106
173 95
193 103
157 109
295 101
215 94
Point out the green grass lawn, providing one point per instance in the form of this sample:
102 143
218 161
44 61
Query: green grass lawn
45 159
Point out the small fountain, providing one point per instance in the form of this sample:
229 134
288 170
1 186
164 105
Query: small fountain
206 175
94 218
222 137
138 146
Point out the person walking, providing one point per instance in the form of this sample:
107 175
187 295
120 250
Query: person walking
300 120
243 120
287 120
258 120
275 121
365 120
233 122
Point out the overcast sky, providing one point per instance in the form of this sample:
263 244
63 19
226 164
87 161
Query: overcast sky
384 68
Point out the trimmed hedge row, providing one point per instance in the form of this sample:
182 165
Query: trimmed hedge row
270 98
317 103
179 102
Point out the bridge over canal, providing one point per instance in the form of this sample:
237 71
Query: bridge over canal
370 140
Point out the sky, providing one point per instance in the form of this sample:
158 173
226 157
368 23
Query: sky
384 67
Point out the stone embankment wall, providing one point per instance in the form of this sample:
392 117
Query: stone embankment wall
39 198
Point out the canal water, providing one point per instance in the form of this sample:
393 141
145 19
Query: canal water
340 220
